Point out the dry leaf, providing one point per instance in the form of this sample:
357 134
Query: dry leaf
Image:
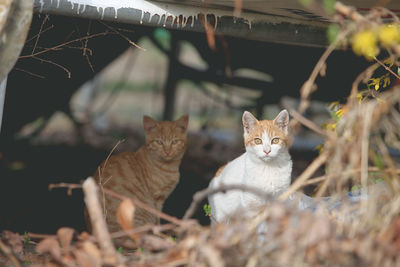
49 245
84 259
155 243
13 240
125 215
65 235
91 249
84 236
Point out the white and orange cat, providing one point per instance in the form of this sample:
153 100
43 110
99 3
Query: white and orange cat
150 174
266 165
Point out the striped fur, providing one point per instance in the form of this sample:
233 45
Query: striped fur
149 174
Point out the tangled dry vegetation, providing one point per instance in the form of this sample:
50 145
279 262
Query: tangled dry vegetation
365 233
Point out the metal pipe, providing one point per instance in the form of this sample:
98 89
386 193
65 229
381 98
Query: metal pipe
250 25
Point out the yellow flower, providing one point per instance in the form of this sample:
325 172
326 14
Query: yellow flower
339 113
383 81
360 97
329 126
386 80
374 82
364 43
389 62
333 105
320 148
389 34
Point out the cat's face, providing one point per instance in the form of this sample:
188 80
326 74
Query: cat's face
266 139
166 140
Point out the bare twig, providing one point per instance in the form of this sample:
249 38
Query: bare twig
306 122
63 185
64 44
30 73
36 35
55 64
387 68
144 206
201 195
238 8
155 228
321 178
40 32
349 12
135 201
40 236
123 36
309 86
98 223
8 252
109 154
311 169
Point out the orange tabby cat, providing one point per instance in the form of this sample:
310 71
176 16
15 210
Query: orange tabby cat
149 174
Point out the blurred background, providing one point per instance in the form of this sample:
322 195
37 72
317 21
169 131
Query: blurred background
66 108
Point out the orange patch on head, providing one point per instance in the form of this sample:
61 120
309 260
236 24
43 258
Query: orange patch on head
265 126
254 129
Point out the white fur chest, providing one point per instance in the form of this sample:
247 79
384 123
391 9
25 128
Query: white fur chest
273 177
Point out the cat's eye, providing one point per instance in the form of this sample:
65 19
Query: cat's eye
174 141
159 142
258 141
275 141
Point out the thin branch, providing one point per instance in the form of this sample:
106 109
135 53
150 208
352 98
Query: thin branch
144 206
321 178
64 44
55 64
306 122
387 68
123 36
30 73
135 201
40 32
349 12
109 154
309 86
63 185
43 31
40 236
98 223
311 169
201 195
155 229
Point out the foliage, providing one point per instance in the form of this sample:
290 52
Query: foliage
207 210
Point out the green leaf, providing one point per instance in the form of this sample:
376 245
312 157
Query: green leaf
207 210
306 3
27 239
329 6
119 250
332 32
398 70
377 160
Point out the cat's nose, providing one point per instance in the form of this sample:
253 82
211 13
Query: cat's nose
267 151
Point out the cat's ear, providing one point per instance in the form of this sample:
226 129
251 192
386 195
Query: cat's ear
282 121
249 122
149 124
183 122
